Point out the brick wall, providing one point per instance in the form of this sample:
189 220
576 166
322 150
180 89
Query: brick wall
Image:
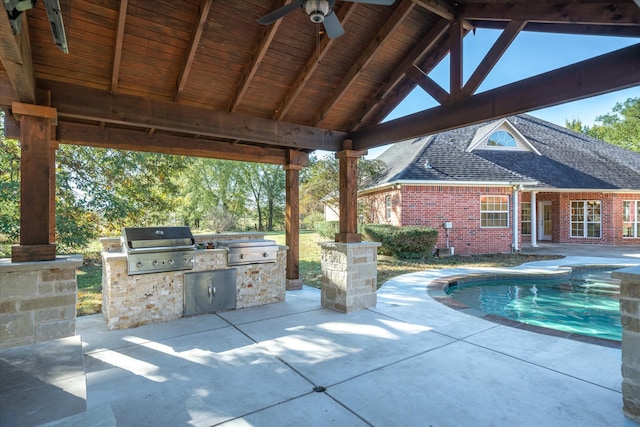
433 205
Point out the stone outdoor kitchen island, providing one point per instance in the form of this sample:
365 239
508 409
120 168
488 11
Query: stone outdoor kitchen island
134 300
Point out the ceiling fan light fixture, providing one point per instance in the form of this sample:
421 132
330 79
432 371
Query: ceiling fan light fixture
317 10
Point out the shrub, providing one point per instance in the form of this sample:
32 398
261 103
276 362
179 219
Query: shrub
327 229
401 242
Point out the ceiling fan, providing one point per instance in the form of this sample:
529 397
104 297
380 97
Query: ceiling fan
54 13
319 11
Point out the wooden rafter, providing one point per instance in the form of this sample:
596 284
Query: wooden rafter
205 6
421 49
15 54
493 56
77 102
439 7
117 53
606 73
345 12
366 57
579 29
268 33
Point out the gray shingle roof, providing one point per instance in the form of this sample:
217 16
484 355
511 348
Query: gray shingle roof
568 160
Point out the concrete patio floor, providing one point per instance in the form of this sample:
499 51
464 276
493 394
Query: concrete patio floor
410 361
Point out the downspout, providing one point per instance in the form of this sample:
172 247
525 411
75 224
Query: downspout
515 245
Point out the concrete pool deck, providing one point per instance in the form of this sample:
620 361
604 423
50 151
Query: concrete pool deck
410 361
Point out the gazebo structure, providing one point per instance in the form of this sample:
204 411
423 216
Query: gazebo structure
204 78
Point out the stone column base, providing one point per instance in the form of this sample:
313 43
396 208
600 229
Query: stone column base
349 275
630 312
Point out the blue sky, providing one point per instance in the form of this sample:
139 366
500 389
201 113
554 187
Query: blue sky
530 54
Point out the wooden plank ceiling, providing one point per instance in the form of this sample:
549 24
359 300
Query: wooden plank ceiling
202 77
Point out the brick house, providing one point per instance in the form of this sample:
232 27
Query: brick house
566 187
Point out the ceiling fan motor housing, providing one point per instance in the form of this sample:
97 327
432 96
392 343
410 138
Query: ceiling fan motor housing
317 10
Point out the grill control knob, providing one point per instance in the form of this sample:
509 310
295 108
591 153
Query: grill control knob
265 254
139 264
171 261
154 263
243 256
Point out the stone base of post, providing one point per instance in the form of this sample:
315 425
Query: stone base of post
294 284
630 312
349 275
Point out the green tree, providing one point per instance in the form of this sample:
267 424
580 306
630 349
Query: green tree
9 189
320 183
621 126
266 185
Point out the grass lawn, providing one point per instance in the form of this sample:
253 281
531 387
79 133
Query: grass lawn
90 275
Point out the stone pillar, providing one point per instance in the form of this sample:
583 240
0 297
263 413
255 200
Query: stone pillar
37 171
349 275
37 300
630 311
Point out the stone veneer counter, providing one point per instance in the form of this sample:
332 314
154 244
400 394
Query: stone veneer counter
130 301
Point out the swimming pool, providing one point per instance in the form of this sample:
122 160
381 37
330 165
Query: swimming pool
584 302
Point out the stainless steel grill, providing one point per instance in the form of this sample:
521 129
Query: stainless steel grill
250 251
157 249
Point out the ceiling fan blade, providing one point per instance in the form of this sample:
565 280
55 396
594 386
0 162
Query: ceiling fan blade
333 26
273 16
380 2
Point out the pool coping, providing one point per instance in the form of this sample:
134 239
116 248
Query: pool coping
437 290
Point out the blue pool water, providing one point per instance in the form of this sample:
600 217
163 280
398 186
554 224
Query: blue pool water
586 302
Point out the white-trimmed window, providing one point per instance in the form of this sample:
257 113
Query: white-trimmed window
387 207
586 218
631 218
494 211
525 218
501 138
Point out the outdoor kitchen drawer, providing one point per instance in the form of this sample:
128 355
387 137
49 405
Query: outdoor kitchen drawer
209 291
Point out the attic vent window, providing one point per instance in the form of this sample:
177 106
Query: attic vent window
501 138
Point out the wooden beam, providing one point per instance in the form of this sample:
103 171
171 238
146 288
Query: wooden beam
15 54
567 28
268 33
606 73
117 53
348 199
429 85
420 50
345 12
292 225
578 12
84 103
365 58
123 139
455 58
196 35
493 56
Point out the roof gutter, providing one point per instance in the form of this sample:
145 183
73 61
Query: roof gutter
427 183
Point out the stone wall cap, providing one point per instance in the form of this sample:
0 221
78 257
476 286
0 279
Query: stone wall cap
629 271
61 261
349 245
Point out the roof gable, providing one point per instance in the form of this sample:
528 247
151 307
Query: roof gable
484 134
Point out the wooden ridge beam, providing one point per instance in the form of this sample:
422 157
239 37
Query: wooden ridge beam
606 73
84 103
567 28
131 140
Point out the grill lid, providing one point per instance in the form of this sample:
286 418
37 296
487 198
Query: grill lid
158 238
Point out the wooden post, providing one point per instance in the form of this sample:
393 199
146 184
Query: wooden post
36 175
349 194
297 159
